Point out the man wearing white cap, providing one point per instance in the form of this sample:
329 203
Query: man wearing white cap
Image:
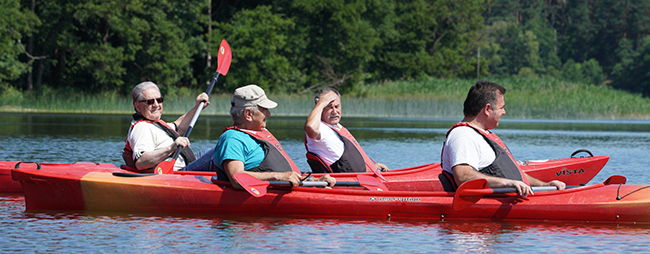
249 147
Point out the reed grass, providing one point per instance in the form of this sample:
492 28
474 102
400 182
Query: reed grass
526 98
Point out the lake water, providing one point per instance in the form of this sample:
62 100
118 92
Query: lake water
398 143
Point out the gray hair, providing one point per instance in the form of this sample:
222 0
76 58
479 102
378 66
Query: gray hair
137 90
325 90
237 113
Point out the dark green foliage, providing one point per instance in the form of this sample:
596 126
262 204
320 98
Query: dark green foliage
96 46
284 46
594 28
293 46
431 38
573 40
290 46
340 37
633 71
263 44
16 23
588 72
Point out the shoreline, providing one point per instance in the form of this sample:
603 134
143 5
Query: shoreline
526 98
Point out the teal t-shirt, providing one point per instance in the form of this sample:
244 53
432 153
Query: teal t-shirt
237 145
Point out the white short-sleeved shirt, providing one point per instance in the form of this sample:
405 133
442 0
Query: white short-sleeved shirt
145 137
330 147
466 146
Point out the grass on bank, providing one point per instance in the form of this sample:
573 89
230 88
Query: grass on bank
526 98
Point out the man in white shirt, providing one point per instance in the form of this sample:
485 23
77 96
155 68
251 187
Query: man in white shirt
471 151
150 139
331 148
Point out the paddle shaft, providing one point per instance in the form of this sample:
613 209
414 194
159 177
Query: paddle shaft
315 184
513 190
200 108
197 113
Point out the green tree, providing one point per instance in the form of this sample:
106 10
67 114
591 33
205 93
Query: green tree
339 37
524 32
545 37
264 44
519 49
595 28
632 72
593 72
15 25
112 45
431 38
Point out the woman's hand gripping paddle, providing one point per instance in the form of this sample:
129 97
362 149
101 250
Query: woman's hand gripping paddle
223 64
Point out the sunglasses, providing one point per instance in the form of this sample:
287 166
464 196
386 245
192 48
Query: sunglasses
150 101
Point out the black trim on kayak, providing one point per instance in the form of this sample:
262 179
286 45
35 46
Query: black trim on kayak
133 174
582 150
17 166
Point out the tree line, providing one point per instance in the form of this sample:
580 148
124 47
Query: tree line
295 46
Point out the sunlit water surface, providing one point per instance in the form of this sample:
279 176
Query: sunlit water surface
397 143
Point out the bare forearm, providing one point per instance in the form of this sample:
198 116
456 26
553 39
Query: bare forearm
233 167
535 182
268 176
313 122
152 158
464 173
183 122
493 182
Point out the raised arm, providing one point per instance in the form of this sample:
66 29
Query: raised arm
313 120
183 122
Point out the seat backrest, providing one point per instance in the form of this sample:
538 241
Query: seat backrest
447 181
317 164
133 169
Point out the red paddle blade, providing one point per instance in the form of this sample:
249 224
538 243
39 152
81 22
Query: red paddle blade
378 174
224 57
371 183
615 179
165 167
252 185
466 194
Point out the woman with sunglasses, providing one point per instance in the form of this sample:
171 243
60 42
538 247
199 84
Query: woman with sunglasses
150 139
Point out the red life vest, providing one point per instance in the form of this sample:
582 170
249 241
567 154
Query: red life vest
504 164
127 152
353 159
275 160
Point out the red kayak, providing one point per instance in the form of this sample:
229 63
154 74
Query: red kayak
8 185
572 171
610 202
